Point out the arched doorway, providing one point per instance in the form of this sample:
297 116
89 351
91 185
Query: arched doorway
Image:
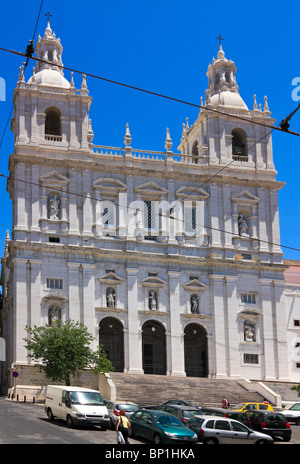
195 351
154 348
111 337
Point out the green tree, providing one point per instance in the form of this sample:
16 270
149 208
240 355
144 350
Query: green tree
64 348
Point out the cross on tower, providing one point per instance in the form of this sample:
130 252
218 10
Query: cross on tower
48 15
219 38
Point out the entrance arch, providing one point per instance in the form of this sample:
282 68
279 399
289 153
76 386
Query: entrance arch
195 351
154 348
111 337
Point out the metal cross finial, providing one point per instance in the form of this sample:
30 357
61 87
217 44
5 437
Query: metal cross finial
48 15
219 38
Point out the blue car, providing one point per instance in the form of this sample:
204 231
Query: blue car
160 427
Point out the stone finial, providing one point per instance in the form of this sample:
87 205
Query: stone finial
127 138
254 103
168 143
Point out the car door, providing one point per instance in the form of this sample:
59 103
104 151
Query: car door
146 425
241 434
223 431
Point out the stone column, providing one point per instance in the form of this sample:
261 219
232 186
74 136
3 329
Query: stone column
135 356
175 356
219 340
88 294
268 361
74 291
215 214
231 340
19 320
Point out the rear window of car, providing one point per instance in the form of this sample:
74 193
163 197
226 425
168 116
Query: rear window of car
262 406
278 418
190 413
222 425
127 407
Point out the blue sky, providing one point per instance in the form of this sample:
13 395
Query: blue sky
165 46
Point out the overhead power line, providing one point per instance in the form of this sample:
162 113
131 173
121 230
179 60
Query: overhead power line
95 76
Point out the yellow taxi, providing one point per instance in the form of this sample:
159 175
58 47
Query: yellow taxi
253 407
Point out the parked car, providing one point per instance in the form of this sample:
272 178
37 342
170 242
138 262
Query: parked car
160 427
253 407
114 408
272 423
237 415
183 413
165 403
293 413
220 430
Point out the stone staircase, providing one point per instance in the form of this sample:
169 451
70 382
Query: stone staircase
154 389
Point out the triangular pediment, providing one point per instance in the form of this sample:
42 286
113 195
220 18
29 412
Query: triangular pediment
109 185
195 285
151 188
153 281
245 197
54 179
111 279
192 193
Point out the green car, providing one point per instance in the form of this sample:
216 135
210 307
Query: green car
160 427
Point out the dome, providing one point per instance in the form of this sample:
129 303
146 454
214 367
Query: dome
228 99
49 78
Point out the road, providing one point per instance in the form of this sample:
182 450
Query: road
27 423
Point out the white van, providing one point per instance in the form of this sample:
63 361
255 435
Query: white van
76 406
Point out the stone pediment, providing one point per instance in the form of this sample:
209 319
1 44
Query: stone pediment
153 281
245 197
195 286
151 188
111 279
54 179
249 313
109 185
192 193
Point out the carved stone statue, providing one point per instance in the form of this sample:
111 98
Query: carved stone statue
152 300
54 314
54 206
110 298
194 301
243 226
249 332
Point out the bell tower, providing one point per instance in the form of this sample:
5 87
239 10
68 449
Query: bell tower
49 111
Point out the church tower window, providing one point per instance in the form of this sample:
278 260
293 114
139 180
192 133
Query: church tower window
53 124
239 145
195 152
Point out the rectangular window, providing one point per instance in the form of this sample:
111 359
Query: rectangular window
250 358
248 298
189 217
54 240
55 283
296 323
149 215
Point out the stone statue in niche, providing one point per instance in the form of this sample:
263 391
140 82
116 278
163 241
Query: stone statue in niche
249 332
54 314
54 206
152 300
110 298
243 226
194 301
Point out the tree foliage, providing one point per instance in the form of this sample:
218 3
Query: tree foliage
64 348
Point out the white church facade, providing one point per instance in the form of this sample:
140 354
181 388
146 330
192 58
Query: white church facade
171 260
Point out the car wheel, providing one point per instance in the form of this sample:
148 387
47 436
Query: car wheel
49 414
262 442
157 439
297 421
210 441
69 421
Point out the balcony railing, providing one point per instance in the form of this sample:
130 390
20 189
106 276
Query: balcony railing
53 138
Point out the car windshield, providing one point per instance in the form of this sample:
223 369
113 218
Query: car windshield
128 407
295 407
167 421
86 397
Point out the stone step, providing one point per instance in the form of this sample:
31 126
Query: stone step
147 389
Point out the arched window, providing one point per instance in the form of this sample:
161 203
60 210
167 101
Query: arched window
109 214
239 145
54 314
53 124
195 152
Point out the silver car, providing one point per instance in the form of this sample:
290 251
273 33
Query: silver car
219 430
114 408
